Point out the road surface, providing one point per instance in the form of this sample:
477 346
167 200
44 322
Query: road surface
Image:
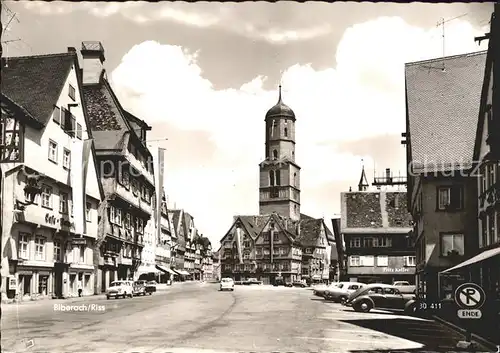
199 318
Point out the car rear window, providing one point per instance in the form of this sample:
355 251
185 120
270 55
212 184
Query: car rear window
226 280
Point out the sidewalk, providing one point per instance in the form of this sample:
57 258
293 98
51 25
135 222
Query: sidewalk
159 288
481 340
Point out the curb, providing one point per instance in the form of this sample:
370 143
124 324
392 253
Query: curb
483 341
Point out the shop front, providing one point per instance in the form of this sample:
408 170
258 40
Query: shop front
386 275
34 281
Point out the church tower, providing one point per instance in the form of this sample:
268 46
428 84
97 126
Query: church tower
279 189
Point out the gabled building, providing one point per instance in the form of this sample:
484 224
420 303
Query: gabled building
179 248
126 173
270 245
376 228
483 268
442 97
50 188
340 248
315 239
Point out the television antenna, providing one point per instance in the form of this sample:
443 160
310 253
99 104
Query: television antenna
442 24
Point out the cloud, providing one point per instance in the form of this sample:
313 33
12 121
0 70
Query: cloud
357 100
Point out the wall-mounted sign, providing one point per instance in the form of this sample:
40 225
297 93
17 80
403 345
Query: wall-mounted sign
396 270
58 221
79 241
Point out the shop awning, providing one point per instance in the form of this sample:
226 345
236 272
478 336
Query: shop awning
144 269
182 272
165 269
478 258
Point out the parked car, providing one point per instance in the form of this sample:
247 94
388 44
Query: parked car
381 296
139 288
252 281
320 290
150 287
227 284
300 284
288 284
340 292
405 287
279 281
122 289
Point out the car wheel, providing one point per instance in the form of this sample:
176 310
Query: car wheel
364 306
342 300
411 309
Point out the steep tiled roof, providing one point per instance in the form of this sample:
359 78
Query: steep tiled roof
36 82
254 224
104 114
309 231
374 210
10 108
176 214
442 108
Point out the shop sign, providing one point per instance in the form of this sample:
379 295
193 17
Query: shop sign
396 270
58 221
79 241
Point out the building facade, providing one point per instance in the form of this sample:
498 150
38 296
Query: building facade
50 195
126 173
442 193
179 249
376 227
271 245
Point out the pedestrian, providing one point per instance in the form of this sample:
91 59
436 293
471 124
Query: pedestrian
80 290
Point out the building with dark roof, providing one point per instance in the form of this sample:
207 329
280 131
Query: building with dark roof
442 106
126 172
280 241
373 236
51 190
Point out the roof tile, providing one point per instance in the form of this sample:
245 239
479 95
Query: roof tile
443 108
35 82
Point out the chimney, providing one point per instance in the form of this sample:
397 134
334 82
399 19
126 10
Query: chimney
71 50
93 59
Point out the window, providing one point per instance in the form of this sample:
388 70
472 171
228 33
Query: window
88 207
66 159
273 128
275 154
491 227
452 244
56 115
355 242
483 179
367 242
353 287
267 252
71 208
382 260
128 221
139 225
277 173
10 139
294 179
135 187
354 261
382 242
491 175
367 261
271 178
390 291
57 250
286 132
246 255
82 254
39 248
450 198
42 285
71 92
79 131
71 128
29 198
126 180
63 202
377 290
52 151
410 261
47 196
24 240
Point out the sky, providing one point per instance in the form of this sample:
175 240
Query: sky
203 75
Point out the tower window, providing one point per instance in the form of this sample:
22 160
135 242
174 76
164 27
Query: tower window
273 128
286 132
294 179
277 174
275 154
271 178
